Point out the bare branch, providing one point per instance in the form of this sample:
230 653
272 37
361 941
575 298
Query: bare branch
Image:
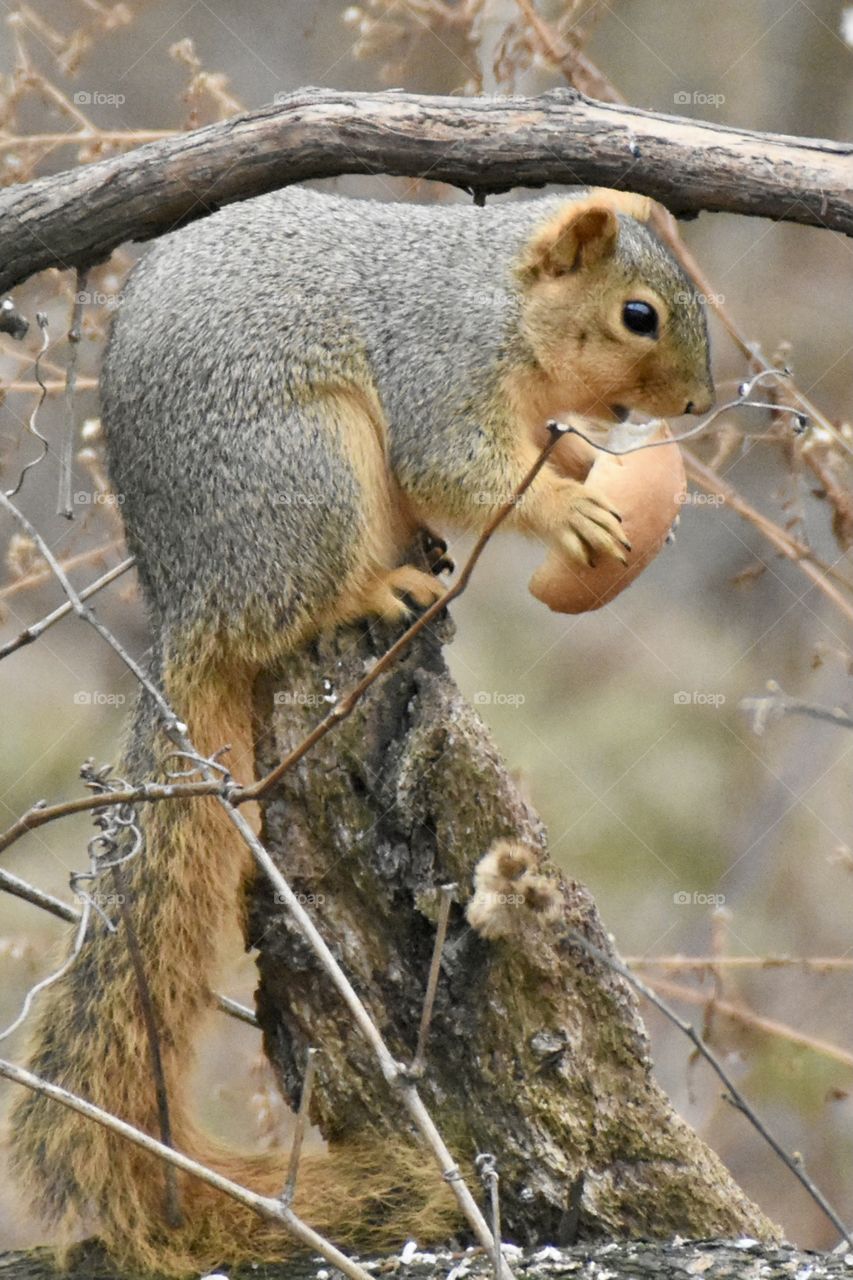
746 1018
236 1010
29 893
483 144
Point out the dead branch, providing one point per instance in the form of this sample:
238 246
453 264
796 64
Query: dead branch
483 144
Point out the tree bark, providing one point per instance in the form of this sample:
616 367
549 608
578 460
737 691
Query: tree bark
486 145
537 1053
712 1260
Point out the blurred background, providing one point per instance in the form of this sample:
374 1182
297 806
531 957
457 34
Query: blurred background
720 859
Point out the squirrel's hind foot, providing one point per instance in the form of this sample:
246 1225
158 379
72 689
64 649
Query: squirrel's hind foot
386 596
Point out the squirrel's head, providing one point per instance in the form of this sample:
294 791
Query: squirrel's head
610 316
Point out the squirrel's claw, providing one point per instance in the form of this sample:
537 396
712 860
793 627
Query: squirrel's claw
435 550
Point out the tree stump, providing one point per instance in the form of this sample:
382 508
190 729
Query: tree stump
537 1053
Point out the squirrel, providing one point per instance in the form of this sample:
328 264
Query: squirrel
294 387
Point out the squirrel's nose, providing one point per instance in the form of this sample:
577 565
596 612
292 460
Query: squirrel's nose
702 405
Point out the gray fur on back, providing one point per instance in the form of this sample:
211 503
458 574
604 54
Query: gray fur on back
228 323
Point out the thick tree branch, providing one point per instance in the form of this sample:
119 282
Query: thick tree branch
623 1260
488 144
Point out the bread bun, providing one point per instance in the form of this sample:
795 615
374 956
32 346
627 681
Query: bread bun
647 488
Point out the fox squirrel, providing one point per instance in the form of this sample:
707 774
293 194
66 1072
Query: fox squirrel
292 388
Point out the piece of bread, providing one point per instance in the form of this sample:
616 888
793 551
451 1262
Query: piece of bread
647 488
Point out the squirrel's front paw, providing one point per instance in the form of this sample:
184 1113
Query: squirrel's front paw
592 528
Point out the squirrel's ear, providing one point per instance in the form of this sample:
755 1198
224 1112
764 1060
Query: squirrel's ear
583 232
628 202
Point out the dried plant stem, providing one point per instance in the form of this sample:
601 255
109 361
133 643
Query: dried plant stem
752 1021
445 899
782 541
811 964
40 575
299 1128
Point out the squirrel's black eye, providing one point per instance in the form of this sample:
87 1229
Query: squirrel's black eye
640 317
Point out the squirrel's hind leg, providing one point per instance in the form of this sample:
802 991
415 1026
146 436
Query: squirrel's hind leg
377 580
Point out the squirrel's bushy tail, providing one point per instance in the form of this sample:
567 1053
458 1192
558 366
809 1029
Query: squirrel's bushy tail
90 1038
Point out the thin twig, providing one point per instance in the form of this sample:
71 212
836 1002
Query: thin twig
733 1094
29 893
31 633
63 506
753 1021
302 1114
265 1206
171 723
776 703
782 541
50 385
487 1167
147 792
235 1010
445 899
71 959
